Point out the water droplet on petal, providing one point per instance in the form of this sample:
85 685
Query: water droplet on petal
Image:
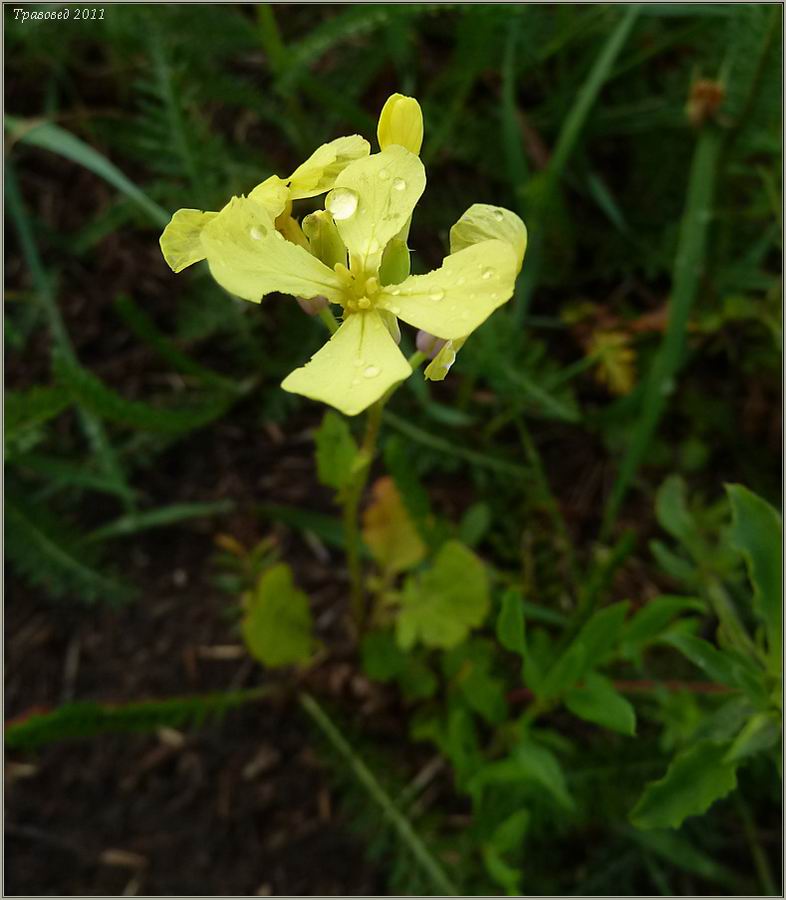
355 382
395 292
358 362
460 280
464 316
498 215
488 273
256 234
384 174
399 184
370 372
437 295
341 203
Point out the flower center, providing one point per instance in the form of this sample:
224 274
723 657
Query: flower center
360 290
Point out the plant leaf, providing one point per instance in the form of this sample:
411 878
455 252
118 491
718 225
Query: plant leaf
696 778
441 607
336 451
598 701
389 532
757 532
277 626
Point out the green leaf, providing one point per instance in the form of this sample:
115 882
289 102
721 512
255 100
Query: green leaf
336 451
443 605
160 518
528 762
757 532
696 778
58 140
507 837
671 509
27 410
718 665
759 733
277 627
469 669
510 623
590 648
76 720
384 660
651 620
598 701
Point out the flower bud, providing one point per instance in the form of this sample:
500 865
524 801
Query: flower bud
401 122
323 238
428 344
312 306
394 267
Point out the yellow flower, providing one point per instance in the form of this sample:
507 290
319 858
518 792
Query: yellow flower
371 205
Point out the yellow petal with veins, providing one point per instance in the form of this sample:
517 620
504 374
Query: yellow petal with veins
319 172
181 242
482 222
249 258
354 368
453 300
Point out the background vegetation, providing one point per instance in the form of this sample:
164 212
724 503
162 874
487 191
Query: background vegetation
580 446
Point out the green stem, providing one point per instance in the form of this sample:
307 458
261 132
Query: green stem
760 860
353 495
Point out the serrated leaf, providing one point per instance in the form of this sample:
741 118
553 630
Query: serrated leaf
277 627
443 605
598 701
696 778
757 532
336 451
389 532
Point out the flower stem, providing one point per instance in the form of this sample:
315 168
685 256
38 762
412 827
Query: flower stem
352 498
329 319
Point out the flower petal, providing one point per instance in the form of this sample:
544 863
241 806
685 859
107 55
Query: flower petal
453 300
354 368
401 122
373 200
482 222
319 172
249 258
439 367
273 194
181 241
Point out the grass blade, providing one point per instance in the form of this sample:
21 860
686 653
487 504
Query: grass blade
688 266
159 518
395 817
56 139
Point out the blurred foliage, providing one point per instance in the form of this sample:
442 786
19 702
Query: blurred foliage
639 361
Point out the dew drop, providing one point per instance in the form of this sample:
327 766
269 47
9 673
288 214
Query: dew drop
355 382
488 273
464 316
437 295
396 292
256 234
460 280
358 362
384 174
399 184
498 215
342 203
370 372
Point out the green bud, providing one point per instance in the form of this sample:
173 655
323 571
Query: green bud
395 263
323 238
